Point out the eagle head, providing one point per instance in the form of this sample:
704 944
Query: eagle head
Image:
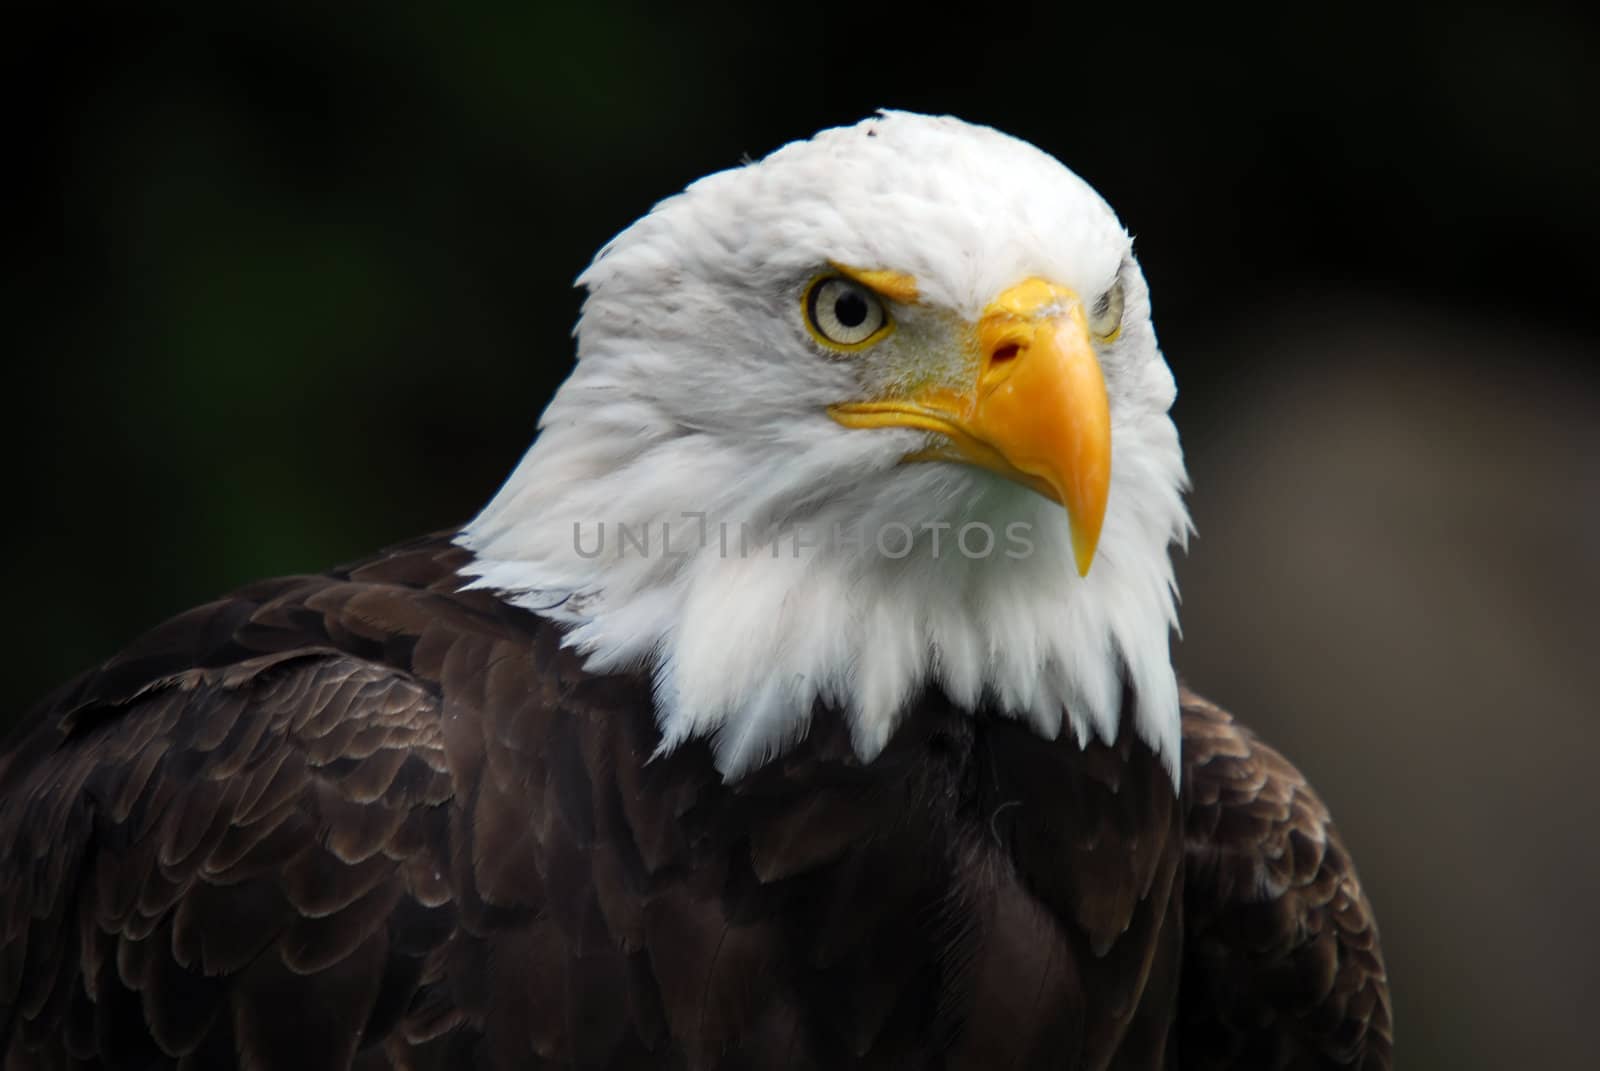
880 413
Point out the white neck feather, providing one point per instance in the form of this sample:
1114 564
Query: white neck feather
744 624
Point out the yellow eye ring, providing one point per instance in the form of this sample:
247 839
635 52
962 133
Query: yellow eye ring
844 315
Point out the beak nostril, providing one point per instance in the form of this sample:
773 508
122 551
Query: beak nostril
1004 353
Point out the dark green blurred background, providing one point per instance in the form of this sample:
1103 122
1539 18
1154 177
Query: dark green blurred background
290 285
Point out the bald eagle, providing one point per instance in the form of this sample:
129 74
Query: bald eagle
803 700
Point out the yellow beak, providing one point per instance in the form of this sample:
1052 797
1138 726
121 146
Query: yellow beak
1036 412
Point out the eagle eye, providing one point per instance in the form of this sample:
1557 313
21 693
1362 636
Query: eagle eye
1105 315
842 314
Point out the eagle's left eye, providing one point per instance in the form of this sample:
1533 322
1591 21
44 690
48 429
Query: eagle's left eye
844 315
1105 315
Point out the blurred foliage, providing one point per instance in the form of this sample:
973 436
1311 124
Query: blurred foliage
289 283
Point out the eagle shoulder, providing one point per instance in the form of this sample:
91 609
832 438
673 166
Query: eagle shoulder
399 816
240 818
1282 964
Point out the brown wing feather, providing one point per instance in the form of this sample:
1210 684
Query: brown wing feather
366 819
220 848
1282 967
186 865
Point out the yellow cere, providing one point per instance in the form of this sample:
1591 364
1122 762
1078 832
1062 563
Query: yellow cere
1034 411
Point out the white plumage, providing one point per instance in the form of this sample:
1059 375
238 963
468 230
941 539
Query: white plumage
700 404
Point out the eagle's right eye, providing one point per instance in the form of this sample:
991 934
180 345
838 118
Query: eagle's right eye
1105 316
844 315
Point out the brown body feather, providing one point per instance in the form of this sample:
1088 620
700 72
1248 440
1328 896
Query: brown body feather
367 820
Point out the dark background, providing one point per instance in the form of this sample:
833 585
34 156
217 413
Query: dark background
285 286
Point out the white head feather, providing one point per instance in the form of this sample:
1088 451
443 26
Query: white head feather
694 429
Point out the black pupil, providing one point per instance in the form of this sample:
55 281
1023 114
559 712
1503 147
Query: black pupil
850 309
